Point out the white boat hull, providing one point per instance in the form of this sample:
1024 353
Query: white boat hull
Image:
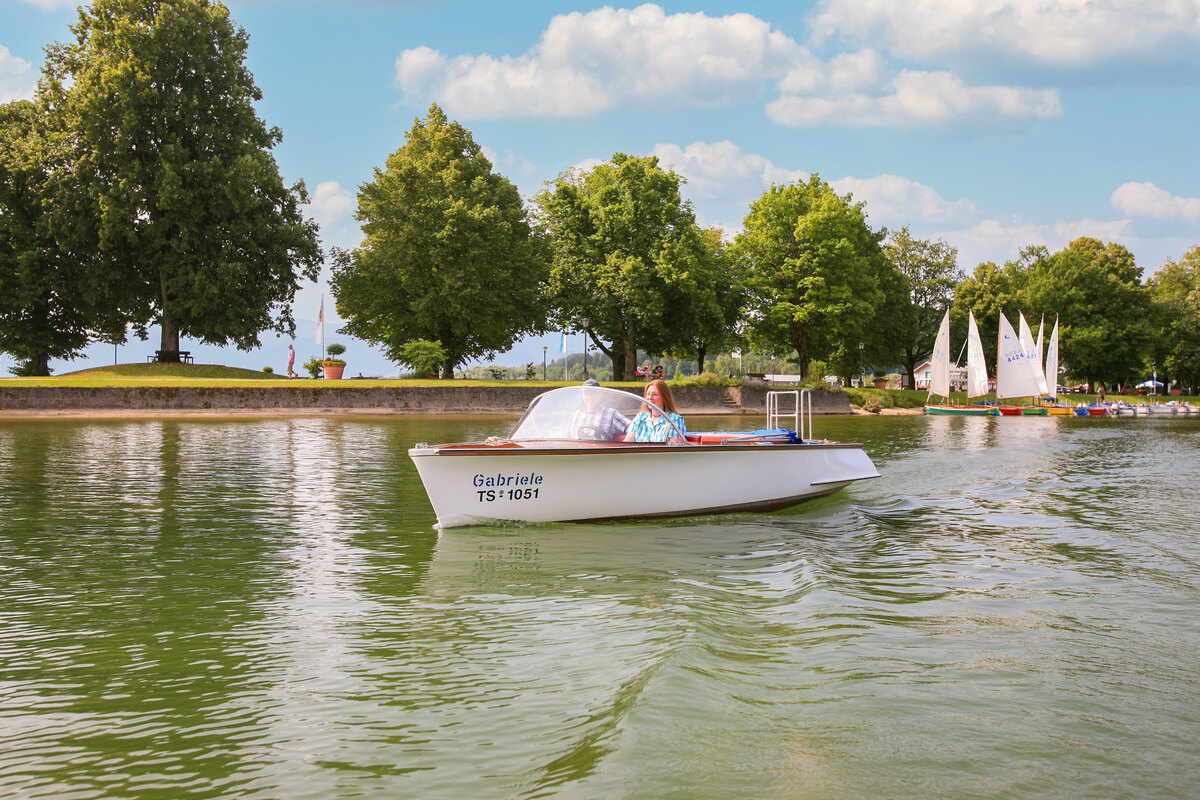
482 484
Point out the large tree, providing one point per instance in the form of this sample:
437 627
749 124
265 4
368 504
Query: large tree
930 270
817 273
197 229
990 290
629 257
51 304
1175 316
448 254
1104 309
708 306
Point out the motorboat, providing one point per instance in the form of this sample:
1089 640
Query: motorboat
563 463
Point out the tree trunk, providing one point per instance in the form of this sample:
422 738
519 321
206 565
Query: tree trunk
622 360
447 370
40 365
701 352
629 359
800 342
910 365
169 343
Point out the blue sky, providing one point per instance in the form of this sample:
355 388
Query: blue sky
992 125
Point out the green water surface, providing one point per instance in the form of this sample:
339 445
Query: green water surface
261 608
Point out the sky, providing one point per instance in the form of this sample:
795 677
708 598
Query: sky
989 124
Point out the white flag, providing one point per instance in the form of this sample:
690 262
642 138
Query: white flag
321 323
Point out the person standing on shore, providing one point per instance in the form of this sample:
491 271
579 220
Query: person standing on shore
291 361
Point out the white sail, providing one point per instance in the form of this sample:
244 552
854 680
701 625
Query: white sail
939 362
1052 363
1016 375
977 379
1034 353
1041 331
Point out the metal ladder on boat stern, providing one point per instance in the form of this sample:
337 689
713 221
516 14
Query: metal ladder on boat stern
800 412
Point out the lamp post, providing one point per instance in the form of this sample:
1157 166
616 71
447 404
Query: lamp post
544 349
862 370
585 322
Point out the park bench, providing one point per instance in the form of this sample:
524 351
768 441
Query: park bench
171 357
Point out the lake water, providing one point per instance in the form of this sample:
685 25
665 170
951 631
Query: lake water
261 608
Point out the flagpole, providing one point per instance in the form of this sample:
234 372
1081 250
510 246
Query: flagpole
321 326
563 348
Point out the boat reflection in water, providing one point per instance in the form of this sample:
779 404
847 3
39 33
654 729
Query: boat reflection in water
553 469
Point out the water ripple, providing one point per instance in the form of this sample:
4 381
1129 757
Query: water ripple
261 609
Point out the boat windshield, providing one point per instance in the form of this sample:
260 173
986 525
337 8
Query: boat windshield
580 413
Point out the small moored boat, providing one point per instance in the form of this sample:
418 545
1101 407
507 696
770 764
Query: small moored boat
551 468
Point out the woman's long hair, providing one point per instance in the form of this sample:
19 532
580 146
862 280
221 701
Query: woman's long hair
668 400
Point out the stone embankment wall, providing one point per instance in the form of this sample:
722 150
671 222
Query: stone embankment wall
454 398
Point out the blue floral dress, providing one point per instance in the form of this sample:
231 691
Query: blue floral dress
648 429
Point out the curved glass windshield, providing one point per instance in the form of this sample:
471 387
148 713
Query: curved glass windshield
580 413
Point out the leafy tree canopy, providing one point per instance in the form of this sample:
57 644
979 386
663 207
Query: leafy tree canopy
167 156
709 308
629 257
448 254
1104 310
49 305
987 291
930 270
816 271
1175 318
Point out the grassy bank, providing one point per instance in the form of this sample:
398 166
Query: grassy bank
885 398
197 375
214 375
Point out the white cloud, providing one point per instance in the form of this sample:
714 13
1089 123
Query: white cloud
721 169
895 201
1066 33
17 78
998 240
590 62
587 165
333 207
918 99
1147 200
509 161
52 5
847 72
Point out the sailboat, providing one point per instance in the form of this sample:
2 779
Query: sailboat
1018 373
977 380
1051 373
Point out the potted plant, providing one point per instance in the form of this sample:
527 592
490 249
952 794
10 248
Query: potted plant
333 364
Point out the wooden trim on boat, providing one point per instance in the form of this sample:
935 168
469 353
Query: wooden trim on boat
598 448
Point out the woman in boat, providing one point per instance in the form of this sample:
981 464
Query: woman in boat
652 426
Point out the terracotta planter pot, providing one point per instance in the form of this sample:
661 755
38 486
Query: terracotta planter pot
881 384
333 372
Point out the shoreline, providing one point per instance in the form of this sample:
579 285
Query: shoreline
114 402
